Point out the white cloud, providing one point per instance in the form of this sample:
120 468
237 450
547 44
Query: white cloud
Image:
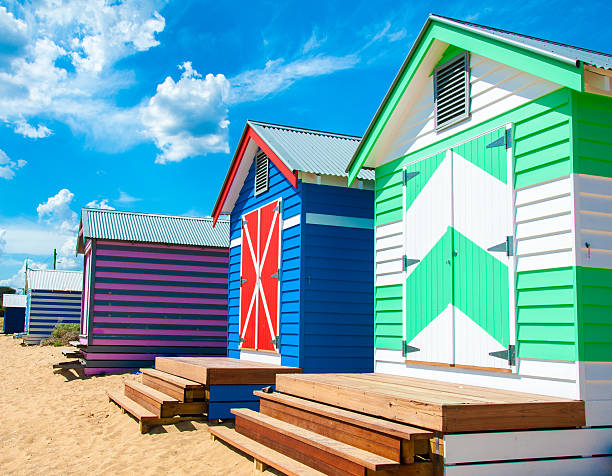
8 166
188 117
313 42
277 75
126 198
27 130
13 36
101 204
18 279
2 241
56 211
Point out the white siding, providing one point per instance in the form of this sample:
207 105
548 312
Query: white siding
593 221
544 225
596 391
389 252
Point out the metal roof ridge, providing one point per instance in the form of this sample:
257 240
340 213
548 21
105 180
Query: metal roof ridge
55 270
509 32
100 210
304 130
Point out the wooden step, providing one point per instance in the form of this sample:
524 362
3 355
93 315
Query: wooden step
146 419
320 452
162 405
262 453
180 388
394 441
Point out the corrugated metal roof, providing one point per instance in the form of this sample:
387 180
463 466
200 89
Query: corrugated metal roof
571 54
14 300
307 150
153 228
55 280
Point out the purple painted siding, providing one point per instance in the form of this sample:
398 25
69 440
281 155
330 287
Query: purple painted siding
149 300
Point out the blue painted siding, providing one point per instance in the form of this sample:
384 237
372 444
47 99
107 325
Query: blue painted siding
338 283
48 308
279 186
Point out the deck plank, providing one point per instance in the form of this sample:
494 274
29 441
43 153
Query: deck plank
449 408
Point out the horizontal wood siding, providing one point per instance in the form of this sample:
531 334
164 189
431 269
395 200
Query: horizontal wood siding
151 300
595 314
388 320
593 134
49 308
338 282
546 314
279 187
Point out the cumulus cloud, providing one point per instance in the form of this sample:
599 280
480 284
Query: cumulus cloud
13 36
8 166
27 130
101 204
188 117
2 241
57 213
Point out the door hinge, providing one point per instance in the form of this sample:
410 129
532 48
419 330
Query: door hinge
507 246
406 176
508 138
274 342
241 339
277 208
408 262
277 275
509 355
407 349
505 140
244 221
242 281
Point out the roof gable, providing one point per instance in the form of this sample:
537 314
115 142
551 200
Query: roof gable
292 150
534 56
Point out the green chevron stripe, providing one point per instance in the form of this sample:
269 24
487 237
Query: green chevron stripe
492 160
418 174
476 283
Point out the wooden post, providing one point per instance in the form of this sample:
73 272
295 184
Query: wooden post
259 465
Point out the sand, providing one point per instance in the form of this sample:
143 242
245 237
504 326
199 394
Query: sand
58 424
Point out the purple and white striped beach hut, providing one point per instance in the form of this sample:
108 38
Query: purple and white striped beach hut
153 285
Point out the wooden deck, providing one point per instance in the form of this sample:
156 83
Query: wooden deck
222 371
438 406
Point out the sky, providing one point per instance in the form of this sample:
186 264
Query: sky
139 104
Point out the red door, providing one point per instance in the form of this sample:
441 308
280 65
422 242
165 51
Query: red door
260 278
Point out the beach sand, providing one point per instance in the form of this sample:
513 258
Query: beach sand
54 425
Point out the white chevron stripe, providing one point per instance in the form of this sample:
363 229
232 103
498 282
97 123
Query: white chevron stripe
481 206
430 215
473 344
435 341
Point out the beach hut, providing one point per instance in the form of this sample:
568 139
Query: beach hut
153 285
301 250
493 159
53 297
14 313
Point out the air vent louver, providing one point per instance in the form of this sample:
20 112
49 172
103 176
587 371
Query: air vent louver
261 172
452 91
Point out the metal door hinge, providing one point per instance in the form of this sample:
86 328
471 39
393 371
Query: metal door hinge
277 208
274 342
509 355
241 339
242 281
407 349
507 246
508 138
505 140
244 221
277 275
406 176
408 262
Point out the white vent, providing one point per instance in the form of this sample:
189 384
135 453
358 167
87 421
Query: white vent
452 91
261 172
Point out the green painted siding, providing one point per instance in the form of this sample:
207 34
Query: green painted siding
595 313
546 314
388 320
592 134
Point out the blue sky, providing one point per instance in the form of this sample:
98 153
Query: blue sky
138 105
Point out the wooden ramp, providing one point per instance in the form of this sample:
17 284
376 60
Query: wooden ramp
439 406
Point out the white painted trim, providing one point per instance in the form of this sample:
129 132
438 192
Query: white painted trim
546 467
236 242
557 369
516 445
337 220
261 357
291 221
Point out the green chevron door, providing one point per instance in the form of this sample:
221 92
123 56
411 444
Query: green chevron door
458 268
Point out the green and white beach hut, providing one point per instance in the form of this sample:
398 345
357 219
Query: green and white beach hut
493 160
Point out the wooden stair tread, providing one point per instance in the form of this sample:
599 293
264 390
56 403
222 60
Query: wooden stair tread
262 453
399 430
364 458
131 406
156 395
174 379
